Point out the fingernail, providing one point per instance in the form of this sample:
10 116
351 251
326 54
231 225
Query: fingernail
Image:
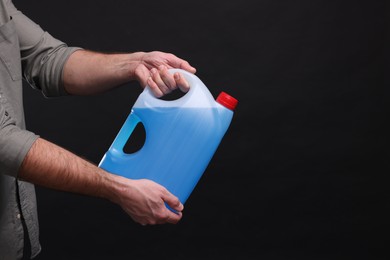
187 85
176 76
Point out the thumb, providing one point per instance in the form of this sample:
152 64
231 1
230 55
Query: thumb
176 62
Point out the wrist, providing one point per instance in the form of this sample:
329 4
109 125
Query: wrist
113 186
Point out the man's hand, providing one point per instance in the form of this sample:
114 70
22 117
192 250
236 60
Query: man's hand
88 72
144 201
152 70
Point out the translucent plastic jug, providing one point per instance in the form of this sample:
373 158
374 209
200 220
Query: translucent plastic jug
182 136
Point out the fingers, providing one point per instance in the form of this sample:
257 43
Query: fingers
154 87
165 214
154 204
162 82
156 84
172 201
181 82
164 79
173 218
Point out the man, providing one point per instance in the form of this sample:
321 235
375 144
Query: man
56 69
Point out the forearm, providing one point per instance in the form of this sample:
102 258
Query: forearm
51 166
88 72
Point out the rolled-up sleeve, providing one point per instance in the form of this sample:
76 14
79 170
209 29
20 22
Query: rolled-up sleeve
43 56
15 143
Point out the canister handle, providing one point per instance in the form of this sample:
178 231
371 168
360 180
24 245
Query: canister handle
124 133
197 96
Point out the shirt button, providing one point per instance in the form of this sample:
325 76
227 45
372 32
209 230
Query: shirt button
18 216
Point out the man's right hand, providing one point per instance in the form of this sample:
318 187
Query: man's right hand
144 201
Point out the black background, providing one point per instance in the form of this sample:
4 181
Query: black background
302 172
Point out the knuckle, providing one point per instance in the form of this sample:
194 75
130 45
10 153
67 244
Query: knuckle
171 56
177 202
163 190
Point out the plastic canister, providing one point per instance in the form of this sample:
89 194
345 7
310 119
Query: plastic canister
182 136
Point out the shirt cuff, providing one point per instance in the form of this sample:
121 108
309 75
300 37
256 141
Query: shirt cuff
15 144
51 76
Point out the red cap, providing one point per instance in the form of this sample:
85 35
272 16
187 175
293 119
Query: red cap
227 101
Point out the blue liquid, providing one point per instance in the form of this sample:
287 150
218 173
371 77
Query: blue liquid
179 145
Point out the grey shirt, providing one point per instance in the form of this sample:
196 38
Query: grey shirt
26 51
